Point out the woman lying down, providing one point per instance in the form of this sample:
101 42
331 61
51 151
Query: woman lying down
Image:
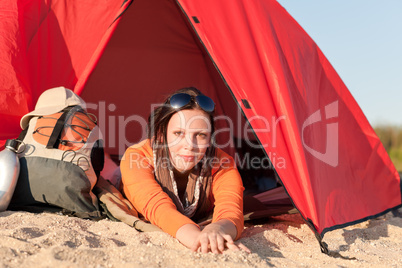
177 177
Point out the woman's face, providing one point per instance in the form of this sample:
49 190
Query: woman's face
188 137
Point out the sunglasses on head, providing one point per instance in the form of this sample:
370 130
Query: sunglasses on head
180 100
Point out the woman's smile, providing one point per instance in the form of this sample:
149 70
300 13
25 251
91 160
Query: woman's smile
187 158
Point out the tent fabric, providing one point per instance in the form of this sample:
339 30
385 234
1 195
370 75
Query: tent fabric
46 44
251 57
284 75
152 50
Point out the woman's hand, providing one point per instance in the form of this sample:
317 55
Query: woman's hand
215 237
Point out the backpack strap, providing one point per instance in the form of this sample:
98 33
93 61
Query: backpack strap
22 135
94 215
19 140
54 139
118 208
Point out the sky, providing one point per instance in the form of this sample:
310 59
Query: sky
363 41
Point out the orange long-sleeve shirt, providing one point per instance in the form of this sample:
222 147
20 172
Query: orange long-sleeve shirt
146 195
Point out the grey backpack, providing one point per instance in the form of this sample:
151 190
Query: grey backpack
61 159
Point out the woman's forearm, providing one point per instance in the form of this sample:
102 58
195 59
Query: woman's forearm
188 234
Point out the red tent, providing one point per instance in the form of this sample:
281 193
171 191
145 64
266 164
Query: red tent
251 57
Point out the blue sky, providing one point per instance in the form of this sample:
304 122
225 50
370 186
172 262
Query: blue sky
363 41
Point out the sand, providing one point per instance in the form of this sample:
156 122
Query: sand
51 240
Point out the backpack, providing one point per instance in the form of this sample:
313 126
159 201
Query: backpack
61 159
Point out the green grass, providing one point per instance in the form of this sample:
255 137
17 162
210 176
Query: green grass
391 138
396 156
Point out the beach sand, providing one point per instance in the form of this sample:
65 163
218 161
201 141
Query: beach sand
51 240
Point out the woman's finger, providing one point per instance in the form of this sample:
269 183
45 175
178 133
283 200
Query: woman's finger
237 246
243 247
221 243
204 241
232 246
228 238
213 243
